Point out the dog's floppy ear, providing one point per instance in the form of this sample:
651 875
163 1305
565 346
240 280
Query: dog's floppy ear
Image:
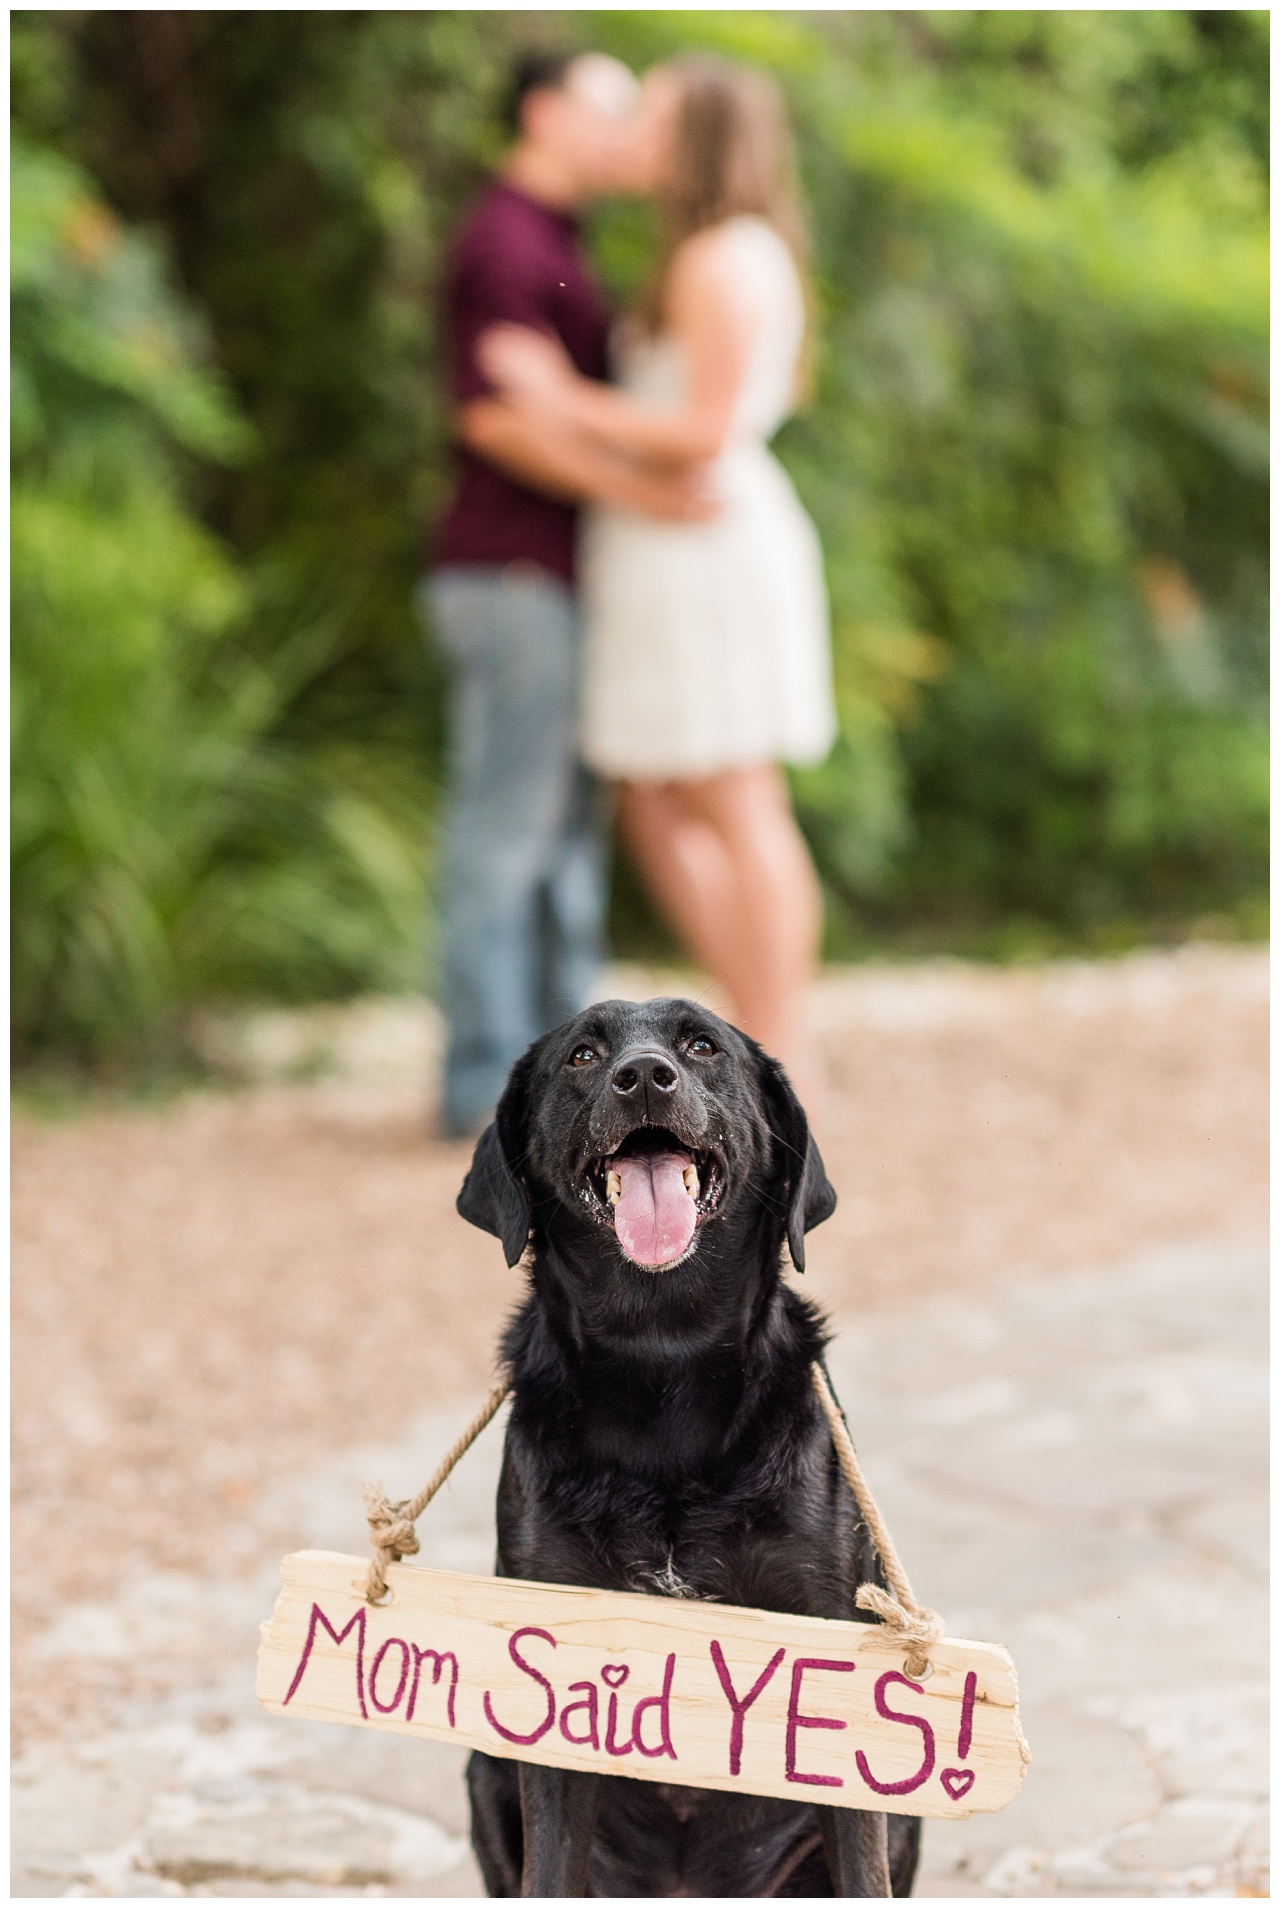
493 1198
493 1194
809 1194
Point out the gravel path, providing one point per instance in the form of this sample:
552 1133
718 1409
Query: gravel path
214 1298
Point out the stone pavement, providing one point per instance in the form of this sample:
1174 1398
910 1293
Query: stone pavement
1075 1468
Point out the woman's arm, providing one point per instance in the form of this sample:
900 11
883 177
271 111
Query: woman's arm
707 314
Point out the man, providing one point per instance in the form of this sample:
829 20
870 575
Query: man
523 850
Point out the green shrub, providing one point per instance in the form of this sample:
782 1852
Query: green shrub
167 843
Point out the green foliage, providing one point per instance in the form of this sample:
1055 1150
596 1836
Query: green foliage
167 843
1038 444
1037 456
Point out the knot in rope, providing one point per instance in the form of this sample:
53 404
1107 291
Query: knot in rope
918 1628
390 1527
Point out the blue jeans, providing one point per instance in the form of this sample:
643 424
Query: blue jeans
523 889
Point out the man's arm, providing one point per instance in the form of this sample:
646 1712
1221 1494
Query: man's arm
571 468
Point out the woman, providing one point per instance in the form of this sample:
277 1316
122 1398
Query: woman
707 642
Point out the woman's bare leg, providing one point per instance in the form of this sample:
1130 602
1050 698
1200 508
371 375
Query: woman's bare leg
773 946
724 857
685 866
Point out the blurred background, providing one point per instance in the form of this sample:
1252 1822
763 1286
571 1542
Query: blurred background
1037 455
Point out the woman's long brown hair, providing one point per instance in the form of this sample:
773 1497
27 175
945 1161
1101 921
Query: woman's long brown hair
731 154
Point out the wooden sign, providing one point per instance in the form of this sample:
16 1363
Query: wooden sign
664 1690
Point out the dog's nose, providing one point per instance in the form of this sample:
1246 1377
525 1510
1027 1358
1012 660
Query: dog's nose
636 1072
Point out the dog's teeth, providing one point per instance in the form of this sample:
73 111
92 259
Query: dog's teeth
691 1185
613 1186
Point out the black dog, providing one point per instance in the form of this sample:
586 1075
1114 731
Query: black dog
664 1433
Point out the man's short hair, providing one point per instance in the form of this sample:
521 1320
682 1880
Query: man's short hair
533 73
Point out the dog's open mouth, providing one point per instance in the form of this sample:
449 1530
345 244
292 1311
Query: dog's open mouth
655 1190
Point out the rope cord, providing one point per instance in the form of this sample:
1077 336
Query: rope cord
900 1612
391 1525
391 1529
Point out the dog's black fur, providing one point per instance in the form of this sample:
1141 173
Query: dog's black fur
665 1437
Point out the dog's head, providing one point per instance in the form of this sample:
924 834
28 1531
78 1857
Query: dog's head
654 1132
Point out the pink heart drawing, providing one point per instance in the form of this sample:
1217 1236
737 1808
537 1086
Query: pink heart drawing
958 1782
615 1674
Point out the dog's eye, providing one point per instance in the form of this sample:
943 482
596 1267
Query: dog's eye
582 1056
702 1045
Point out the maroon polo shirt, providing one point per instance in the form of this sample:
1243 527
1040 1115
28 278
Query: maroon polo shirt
516 261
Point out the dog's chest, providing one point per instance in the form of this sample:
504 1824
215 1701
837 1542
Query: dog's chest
718 1552
667 1580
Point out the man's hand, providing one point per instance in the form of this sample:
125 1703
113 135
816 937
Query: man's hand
524 363
567 467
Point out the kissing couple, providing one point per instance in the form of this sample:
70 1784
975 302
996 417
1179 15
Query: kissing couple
627 589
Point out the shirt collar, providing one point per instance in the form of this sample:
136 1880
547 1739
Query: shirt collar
569 222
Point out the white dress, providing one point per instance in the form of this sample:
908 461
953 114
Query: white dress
708 645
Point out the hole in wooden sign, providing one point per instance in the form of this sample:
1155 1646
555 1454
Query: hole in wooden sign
361 1585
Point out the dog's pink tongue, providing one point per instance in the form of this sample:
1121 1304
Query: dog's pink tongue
655 1214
